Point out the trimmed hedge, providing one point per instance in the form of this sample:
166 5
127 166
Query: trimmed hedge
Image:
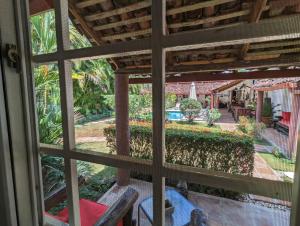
196 146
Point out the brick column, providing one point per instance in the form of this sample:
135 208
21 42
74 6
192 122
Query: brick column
122 124
294 125
212 101
259 105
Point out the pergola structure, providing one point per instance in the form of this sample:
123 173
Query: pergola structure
293 86
191 41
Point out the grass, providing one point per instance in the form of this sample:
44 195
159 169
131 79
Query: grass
91 129
281 163
97 147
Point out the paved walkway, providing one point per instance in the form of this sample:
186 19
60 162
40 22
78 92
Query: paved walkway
220 211
263 170
276 138
226 121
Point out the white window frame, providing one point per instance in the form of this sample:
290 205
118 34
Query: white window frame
157 44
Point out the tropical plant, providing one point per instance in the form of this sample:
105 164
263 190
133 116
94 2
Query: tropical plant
267 107
170 100
92 79
190 108
139 105
212 116
250 127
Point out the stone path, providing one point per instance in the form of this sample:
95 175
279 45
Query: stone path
276 138
226 121
263 170
220 211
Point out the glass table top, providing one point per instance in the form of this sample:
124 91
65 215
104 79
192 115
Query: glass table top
182 212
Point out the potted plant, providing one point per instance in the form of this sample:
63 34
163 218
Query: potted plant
267 113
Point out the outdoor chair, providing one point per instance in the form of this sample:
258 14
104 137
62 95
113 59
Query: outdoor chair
98 214
284 123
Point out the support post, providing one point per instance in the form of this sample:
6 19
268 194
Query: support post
259 105
212 101
122 124
294 125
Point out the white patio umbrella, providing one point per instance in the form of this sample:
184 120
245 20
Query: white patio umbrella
193 94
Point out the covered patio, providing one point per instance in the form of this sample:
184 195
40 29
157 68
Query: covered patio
220 211
218 40
285 120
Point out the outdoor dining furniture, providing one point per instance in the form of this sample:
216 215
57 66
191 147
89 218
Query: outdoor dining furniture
185 213
283 124
98 214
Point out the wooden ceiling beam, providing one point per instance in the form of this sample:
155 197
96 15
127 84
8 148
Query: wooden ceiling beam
87 3
210 19
275 44
266 30
196 6
127 35
258 9
285 61
197 77
123 23
83 24
118 11
277 51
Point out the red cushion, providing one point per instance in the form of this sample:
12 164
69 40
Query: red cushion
90 212
286 116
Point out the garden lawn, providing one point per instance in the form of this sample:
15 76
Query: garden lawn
97 147
91 129
280 164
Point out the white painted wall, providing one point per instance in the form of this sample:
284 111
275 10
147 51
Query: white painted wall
282 97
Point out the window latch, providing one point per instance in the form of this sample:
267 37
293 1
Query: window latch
13 57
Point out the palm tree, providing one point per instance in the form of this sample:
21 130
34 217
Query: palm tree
92 78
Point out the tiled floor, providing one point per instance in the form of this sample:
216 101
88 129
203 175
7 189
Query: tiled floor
220 211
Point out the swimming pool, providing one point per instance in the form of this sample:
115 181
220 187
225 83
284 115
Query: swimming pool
174 115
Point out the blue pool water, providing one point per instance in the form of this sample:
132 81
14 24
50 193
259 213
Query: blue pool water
174 115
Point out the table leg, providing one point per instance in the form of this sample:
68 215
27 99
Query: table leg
138 215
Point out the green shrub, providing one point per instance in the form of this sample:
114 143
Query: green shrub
212 116
197 147
267 107
190 108
250 127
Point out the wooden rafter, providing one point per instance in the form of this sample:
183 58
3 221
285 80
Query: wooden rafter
122 23
277 51
275 44
259 7
210 19
196 6
214 61
204 76
126 35
84 25
118 11
281 62
86 3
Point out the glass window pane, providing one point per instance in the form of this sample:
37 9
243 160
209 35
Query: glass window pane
42 24
47 94
54 187
101 186
215 125
218 206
